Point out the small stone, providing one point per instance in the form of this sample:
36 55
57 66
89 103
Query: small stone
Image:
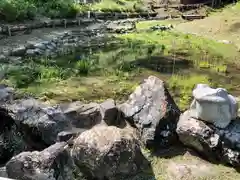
49 47
3 172
225 41
40 46
3 58
53 44
6 52
15 59
39 51
55 40
19 51
30 52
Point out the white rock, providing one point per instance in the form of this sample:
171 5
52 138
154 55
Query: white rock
215 106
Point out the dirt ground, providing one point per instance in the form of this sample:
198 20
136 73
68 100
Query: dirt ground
223 26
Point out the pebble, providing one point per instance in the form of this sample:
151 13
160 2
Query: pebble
40 46
15 60
30 52
2 58
19 51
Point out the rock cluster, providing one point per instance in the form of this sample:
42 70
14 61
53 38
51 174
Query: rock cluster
161 27
102 141
121 26
73 140
213 136
61 43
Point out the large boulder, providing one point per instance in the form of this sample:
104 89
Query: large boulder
151 108
38 123
53 163
214 143
108 152
33 125
215 106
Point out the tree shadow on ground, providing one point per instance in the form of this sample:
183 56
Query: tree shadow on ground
182 150
163 64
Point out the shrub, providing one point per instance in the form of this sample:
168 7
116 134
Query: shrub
59 8
23 76
12 10
83 67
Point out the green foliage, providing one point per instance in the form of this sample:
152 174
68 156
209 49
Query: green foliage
183 86
113 72
119 6
12 10
24 75
83 67
57 8
18 10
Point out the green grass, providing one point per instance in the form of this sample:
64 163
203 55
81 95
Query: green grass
118 6
183 86
184 165
19 10
179 59
183 42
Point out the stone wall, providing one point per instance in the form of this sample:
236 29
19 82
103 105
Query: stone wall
64 43
81 19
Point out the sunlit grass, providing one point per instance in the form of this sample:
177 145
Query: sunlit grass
114 73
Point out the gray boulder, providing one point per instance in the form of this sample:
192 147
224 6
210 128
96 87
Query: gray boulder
53 163
82 115
215 144
39 123
108 152
151 108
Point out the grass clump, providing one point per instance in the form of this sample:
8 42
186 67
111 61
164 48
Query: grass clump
182 86
11 10
19 10
119 6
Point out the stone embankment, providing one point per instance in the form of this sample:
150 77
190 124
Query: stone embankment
57 42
